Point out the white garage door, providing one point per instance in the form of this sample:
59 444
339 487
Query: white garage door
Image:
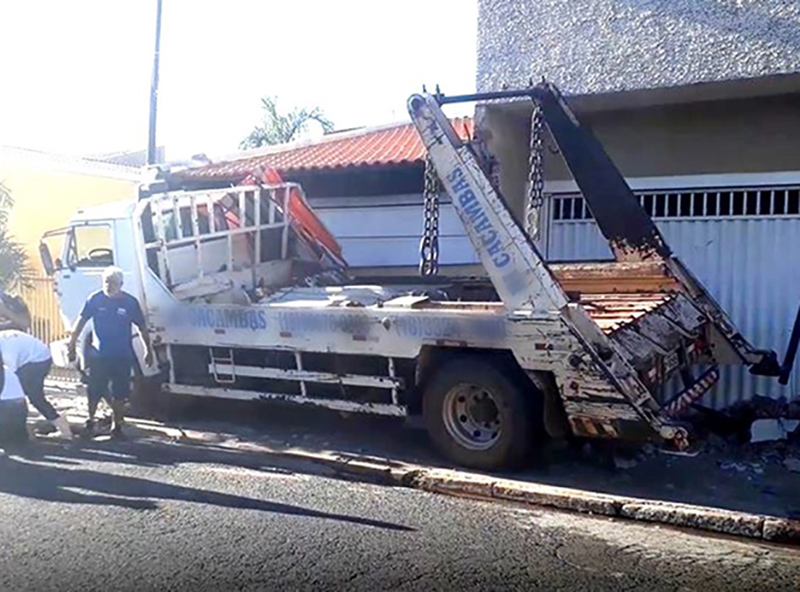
385 232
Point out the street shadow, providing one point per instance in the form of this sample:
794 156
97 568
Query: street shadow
700 480
38 472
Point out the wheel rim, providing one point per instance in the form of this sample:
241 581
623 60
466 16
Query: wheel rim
472 417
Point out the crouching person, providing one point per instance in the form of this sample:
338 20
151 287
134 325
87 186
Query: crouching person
113 313
13 410
30 359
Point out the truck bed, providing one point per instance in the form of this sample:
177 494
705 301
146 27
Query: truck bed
638 305
614 294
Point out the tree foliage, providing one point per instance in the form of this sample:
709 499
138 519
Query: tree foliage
278 128
15 271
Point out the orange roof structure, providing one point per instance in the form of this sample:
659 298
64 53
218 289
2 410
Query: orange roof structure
392 145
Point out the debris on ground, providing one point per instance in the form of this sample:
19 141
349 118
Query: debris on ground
765 407
624 463
649 449
792 464
766 430
734 424
742 467
733 466
716 443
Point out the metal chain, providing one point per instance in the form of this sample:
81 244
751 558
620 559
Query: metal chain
429 245
535 174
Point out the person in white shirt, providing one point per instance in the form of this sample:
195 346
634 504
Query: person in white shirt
13 409
30 359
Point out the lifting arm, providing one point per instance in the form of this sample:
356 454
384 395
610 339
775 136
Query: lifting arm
629 230
517 270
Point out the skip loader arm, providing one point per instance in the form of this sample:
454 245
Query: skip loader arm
629 230
517 270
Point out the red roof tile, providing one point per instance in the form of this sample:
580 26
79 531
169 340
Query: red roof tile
384 146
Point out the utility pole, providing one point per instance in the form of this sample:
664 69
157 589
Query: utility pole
151 139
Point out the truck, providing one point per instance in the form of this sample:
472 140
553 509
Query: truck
249 297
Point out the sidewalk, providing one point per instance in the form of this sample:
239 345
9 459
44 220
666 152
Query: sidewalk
752 478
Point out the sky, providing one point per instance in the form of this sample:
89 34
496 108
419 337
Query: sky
75 74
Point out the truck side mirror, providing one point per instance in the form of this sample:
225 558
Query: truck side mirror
47 260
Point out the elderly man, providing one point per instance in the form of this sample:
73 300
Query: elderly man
113 313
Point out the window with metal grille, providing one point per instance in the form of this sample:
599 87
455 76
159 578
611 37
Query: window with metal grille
722 203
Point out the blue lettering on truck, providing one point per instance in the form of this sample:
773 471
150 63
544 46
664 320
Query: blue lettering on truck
475 215
218 318
450 328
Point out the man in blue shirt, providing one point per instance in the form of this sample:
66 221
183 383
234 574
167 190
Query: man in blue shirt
114 313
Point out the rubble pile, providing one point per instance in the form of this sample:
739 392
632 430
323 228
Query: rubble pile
753 434
767 408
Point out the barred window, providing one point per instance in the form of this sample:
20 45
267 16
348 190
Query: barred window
695 204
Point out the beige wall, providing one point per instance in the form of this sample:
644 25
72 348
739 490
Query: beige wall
742 136
504 133
45 198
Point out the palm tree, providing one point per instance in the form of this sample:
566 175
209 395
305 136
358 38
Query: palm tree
278 128
14 270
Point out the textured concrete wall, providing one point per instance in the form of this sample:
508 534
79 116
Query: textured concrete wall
592 46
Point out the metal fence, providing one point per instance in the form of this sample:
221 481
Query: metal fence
46 322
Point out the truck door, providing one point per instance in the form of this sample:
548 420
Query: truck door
88 249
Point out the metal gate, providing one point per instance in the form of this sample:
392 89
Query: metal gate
46 322
742 242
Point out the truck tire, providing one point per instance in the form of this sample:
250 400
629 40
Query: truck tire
478 416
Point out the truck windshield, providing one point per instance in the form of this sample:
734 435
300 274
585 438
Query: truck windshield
89 246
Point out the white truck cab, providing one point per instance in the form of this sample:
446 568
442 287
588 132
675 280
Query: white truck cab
95 238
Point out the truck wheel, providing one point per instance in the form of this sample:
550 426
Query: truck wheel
477 416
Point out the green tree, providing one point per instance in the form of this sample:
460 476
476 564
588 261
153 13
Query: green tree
15 272
278 128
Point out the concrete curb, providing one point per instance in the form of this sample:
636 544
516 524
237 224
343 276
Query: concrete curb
464 484
743 524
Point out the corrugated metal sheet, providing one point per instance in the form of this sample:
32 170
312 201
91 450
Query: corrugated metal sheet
749 264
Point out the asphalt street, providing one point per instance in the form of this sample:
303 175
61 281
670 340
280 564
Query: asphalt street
147 515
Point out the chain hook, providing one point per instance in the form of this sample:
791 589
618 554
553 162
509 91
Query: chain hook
535 173
429 244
